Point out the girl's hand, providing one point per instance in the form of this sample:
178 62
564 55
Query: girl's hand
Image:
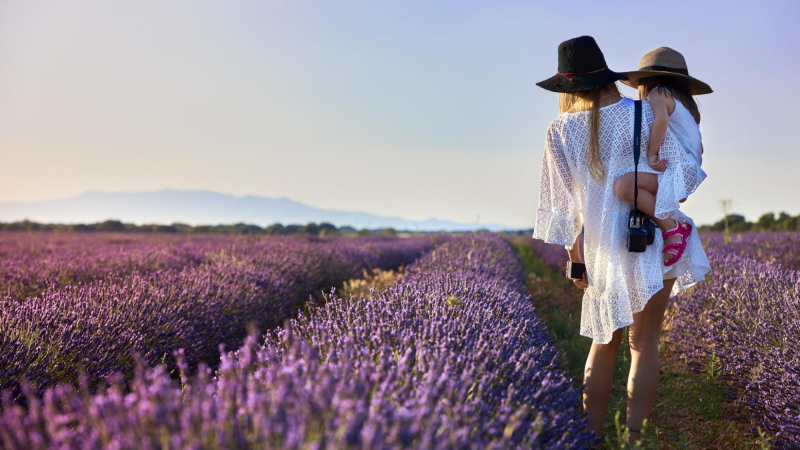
657 164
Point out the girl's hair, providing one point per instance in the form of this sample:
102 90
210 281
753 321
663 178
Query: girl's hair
589 100
679 87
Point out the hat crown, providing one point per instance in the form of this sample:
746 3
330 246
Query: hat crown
663 57
580 54
581 67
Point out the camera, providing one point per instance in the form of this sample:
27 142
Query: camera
641 232
575 270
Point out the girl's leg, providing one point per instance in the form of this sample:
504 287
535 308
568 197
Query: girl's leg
643 337
646 202
648 188
598 376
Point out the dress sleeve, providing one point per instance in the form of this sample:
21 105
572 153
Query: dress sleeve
558 216
679 181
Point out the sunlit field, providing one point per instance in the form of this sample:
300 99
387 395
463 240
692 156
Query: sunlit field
425 341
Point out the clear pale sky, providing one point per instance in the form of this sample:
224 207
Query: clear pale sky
409 108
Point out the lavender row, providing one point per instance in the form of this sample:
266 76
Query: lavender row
30 263
776 246
746 319
100 326
555 256
452 356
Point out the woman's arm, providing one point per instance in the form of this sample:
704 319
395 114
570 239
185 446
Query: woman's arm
575 252
558 216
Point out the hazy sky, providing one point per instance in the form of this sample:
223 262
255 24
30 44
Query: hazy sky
410 108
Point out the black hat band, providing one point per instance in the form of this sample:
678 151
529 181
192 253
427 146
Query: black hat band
664 69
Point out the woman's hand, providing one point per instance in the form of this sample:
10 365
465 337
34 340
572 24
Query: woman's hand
582 284
575 255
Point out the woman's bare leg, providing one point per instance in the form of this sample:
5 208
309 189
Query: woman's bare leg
598 375
643 337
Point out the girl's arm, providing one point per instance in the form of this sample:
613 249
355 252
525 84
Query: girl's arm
661 103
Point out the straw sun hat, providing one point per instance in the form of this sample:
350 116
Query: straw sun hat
665 61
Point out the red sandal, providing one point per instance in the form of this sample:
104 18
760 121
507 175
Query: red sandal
682 229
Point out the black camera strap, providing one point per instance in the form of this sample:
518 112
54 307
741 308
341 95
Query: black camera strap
637 149
641 230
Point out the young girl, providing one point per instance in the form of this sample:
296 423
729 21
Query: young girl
664 81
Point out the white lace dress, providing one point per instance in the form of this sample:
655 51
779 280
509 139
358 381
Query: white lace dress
620 282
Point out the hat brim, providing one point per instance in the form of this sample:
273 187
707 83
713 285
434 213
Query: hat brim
697 87
562 83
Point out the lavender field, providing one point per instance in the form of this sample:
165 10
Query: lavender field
744 321
741 324
450 356
92 303
141 341
32 262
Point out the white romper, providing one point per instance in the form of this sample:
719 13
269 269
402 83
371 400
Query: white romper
685 129
620 282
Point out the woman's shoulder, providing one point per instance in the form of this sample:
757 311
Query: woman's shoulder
630 104
647 111
557 127
568 117
566 123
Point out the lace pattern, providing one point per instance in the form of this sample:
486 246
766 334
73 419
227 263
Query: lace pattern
620 282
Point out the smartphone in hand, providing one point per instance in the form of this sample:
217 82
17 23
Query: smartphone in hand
575 270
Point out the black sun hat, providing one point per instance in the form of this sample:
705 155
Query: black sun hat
581 67
665 61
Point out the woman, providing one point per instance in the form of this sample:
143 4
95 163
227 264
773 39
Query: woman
589 145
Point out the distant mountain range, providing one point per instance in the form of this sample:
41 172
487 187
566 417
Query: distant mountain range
207 208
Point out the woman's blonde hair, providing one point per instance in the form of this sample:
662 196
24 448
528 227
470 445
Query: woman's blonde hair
584 101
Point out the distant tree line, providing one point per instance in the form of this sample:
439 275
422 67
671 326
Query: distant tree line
322 229
767 222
